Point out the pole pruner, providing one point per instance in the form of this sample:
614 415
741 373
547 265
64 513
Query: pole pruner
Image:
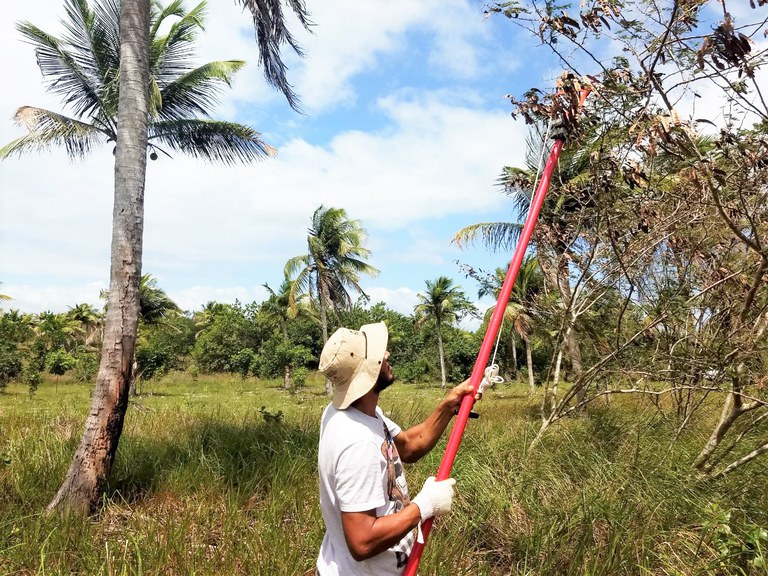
479 370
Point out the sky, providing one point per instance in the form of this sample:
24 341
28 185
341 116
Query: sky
405 125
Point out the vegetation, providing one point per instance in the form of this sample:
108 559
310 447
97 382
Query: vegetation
230 487
117 61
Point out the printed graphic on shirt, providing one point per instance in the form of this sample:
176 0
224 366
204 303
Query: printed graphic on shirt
397 492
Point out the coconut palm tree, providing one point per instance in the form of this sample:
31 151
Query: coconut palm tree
553 236
90 319
284 305
83 67
117 61
442 303
519 311
332 267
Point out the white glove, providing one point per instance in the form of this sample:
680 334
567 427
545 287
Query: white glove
435 498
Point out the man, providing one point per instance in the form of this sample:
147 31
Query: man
369 517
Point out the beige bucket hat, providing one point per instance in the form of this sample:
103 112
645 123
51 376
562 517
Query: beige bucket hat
351 360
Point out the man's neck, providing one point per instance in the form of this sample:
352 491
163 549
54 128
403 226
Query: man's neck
367 403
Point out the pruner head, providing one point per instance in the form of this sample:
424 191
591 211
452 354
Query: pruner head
566 106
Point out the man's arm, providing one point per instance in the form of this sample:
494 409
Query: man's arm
415 442
367 535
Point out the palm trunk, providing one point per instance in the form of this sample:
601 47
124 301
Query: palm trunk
513 345
529 360
84 484
442 355
324 325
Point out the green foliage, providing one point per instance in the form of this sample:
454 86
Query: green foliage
31 377
231 329
10 356
243 362
277 353
164 345
86 366
59 362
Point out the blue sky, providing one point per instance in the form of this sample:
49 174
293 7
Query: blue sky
405 126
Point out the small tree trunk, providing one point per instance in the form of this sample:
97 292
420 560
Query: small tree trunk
513 346
324 326
84 484
287 378
442 356
556 380
529 360
733 408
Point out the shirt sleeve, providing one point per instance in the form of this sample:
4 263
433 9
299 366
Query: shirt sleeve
360 477
394 429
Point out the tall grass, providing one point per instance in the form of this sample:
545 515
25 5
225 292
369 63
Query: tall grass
218 476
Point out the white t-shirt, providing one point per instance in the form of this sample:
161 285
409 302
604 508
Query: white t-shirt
360 469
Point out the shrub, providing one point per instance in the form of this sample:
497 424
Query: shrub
59 361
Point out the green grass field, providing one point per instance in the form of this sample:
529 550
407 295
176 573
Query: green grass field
218 476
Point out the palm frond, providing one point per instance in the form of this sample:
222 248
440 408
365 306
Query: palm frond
496 236
197 91
63 74
271 34
212 140
48 129
170 54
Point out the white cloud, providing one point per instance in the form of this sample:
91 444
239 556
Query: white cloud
194 298
28 298
217 233
401 299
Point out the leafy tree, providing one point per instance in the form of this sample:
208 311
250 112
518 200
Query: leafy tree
333 264
280 309
232 329
442 303
114 62
59 362
670 213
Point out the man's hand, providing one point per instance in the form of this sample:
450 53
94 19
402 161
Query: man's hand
453 399
435 498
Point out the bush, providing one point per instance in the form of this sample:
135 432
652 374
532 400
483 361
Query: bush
86 366
31 377
243 362
59 361
10 363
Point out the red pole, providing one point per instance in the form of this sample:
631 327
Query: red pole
444 472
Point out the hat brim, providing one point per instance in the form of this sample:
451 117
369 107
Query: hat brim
367 373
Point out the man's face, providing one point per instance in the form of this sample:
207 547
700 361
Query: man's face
386 377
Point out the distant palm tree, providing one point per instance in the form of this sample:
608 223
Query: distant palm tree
553 236
90 319
442 303
519 309
279 310
284 305
333 264
154 304
204 318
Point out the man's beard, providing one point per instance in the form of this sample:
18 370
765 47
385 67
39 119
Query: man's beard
383 382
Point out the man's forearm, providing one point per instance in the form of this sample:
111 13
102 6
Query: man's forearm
368 535
423 437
